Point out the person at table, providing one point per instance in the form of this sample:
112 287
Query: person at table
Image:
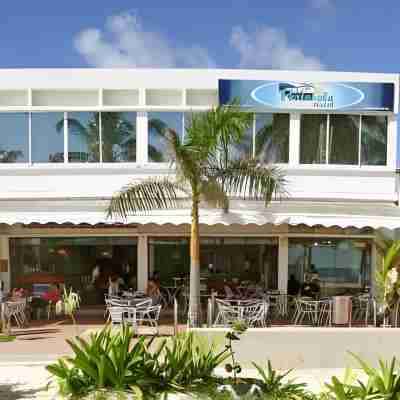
113 285
311 288
293 287
153 290
53 295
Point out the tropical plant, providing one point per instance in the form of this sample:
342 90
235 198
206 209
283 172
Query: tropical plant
237 329
275 386
105 361
205 171
381 383
387 278
10 156
108 361
71 301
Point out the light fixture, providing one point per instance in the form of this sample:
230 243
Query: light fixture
315 243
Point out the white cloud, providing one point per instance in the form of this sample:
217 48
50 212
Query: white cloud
125 43
268 47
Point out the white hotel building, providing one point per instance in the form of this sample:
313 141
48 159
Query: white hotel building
70 138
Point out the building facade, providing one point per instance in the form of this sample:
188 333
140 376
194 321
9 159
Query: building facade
71 138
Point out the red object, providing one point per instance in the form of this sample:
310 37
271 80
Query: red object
40 277
52 295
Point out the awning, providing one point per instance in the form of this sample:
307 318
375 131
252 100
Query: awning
87 211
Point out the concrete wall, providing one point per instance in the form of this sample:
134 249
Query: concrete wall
312 348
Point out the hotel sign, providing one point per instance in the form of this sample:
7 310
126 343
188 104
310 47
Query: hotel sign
288 95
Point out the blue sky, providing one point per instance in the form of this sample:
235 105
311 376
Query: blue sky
288 34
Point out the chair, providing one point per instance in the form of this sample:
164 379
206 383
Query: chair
227 313
144 314
117 314
363 307
15 310
256 314
308 309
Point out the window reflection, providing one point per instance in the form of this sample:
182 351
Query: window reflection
158 124
272 138
83 137
341 264
313 139
118 134
343 139
14 133
48 137
373 140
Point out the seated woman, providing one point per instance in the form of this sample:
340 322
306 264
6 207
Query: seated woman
153 291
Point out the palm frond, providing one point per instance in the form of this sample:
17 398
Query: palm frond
212 192
251 180
145 196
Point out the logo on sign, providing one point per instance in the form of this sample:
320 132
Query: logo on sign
307 95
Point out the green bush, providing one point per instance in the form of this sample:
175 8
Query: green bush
108 360
381 383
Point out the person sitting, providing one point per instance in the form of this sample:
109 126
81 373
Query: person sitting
153 291
311 288
113 285
293 286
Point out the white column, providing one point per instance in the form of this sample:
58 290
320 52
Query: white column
142 263
294 139
5 255
283 263
376 260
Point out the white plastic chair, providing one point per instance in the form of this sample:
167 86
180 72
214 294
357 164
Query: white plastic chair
117 314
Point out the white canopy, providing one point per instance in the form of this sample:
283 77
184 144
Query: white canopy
91 211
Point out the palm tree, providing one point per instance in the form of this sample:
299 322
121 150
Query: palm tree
205 171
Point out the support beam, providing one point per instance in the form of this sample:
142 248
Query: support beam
283 263
142 263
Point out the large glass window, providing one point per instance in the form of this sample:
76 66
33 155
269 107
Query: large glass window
14 137
272 138
313 139
158 125
373 140
83 137
244 149
341 264
343 139
118 135
221 260
85 263
48 137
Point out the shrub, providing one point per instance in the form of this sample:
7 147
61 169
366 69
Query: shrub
108 361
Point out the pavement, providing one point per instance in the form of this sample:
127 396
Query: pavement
23 361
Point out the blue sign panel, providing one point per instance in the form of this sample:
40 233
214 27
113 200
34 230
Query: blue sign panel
346 96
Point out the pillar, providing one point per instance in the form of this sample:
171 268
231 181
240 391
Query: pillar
142 263
5 275
376 262
283 263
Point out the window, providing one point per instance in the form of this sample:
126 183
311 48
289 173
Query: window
272 138
313 139
343 139
244 149
373 140
118 136
158 124
14 137
48 137
83 137
337 261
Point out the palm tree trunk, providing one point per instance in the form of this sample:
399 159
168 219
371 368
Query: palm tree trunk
194 299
